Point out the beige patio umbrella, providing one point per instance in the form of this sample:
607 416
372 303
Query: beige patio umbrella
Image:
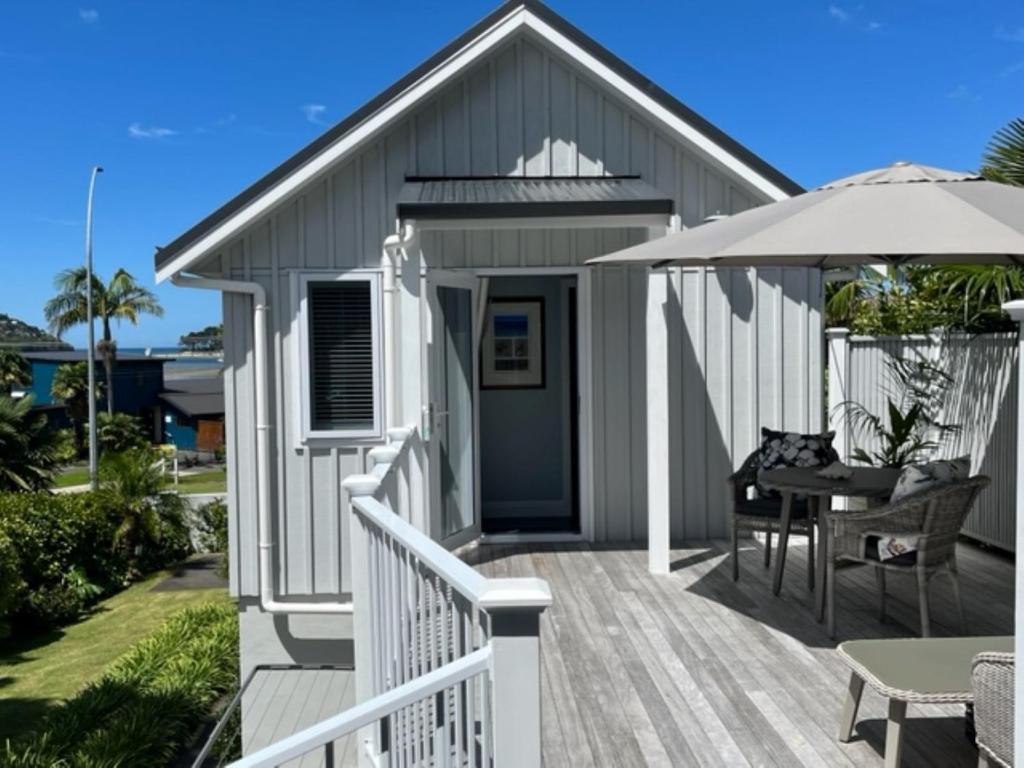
902 214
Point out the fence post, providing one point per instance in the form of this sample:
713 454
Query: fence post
1015 309
513 607
838 342
362 639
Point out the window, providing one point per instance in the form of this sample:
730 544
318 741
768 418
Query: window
341 354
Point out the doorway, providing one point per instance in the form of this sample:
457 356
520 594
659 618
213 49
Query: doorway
529 406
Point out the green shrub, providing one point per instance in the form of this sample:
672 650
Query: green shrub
119 432
62 551
148 703
212 526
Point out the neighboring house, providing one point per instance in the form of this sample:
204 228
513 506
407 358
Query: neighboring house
423 264
138 381
193 415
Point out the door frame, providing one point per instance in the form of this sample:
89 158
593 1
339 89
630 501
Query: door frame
585 418
463 280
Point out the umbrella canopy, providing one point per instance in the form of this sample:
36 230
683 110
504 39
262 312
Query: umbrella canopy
902 214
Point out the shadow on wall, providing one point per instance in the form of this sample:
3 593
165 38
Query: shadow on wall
744 351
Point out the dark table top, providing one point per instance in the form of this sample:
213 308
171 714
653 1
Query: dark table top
866 482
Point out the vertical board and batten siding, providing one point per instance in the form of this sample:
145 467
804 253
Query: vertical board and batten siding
524 111
982 399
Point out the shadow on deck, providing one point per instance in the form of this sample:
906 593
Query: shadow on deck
696 669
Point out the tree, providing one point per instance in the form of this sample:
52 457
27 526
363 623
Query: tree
121 299
14 370
1004 157
70 385
131 485
119 432
28 447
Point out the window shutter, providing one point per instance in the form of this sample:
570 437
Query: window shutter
341 356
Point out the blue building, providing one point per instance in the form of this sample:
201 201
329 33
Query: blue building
193 414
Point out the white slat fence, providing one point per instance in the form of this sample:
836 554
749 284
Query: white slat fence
447 661
982 400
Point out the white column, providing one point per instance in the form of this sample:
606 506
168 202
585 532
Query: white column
1015 309
658 460
838 370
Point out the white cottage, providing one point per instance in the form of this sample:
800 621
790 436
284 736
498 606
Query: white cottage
421 266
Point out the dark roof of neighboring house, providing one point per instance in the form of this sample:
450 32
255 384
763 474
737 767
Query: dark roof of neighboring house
165 254
196 404
195 396
505 197
79 356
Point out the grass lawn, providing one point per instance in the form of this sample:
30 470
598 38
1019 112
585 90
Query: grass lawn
38 672
73 475
214 481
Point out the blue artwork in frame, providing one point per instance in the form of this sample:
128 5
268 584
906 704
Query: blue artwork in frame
513 345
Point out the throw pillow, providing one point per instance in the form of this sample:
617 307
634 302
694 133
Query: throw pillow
791 449
917 478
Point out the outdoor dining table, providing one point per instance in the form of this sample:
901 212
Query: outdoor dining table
866 482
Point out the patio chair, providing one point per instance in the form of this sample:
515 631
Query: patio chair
992 676
934 517
764 515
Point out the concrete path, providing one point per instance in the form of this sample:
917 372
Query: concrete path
198 573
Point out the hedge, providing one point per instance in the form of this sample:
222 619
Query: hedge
148 704
57 553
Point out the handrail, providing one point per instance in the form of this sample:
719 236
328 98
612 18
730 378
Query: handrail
370 712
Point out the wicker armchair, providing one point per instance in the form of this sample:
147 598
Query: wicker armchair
992 677
935 516
764 516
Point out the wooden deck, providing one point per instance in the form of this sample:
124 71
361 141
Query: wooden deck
695 669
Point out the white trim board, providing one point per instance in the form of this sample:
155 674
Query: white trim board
488 41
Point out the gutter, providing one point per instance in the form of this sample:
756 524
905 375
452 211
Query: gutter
265 530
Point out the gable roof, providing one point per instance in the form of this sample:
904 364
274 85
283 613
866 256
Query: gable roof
174 256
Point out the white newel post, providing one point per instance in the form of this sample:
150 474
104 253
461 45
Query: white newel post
658 460
362 639
1015 309
514 616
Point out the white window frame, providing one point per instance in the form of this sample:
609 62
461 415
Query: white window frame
305 434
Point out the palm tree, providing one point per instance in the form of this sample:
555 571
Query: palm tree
1004 157
14 370
28 447
121 299
130 484
70 385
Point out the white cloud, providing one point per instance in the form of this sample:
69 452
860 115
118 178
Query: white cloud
962 93
314 112
1015 35
1012 69
838 13
874 26
89 15
140 131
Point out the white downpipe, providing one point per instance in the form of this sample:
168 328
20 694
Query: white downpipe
263 427
400 241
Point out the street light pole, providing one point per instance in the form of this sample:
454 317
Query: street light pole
91 351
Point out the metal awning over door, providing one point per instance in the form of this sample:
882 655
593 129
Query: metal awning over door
550 202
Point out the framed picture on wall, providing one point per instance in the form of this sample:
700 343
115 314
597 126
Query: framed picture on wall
512 353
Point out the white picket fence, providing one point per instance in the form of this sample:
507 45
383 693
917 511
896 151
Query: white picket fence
982 400
447 661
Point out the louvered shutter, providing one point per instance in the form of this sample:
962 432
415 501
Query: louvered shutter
341 356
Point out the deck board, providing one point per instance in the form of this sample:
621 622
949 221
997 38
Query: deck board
695 669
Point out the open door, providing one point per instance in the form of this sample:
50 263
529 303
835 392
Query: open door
452 413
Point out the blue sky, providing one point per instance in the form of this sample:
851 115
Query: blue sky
185 103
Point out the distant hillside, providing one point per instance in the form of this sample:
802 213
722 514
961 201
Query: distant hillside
15 333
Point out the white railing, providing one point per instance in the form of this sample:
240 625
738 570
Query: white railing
447 661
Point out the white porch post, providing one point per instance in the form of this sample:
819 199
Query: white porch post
837 343
1015 309
658 463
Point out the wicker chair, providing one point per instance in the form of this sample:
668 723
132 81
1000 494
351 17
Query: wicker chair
764 516
992 680
935 516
